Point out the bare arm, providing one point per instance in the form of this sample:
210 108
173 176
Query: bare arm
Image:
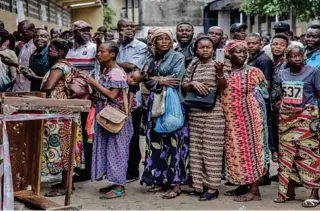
128 67
54 76
109 93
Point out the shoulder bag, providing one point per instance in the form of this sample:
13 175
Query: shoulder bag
113 119
193 100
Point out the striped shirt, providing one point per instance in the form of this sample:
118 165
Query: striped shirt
84 58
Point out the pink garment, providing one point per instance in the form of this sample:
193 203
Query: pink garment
22 83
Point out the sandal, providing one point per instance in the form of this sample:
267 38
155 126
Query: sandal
154 189
55 193
171 194
60 186
107 189
247 197
117 194
194 193
209 196
309 203
241 190
280 199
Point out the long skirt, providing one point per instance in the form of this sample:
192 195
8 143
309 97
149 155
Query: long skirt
299 154
111 152
207 130
167 155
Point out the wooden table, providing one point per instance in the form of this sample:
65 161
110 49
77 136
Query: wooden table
26 142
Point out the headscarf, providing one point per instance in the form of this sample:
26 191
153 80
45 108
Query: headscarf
234 43
157 33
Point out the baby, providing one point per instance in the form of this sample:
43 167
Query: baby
134 78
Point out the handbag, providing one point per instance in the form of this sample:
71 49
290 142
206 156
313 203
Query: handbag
113 119
159 103
193 100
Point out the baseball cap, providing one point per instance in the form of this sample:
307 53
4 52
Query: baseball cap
281 26
80 25
236 26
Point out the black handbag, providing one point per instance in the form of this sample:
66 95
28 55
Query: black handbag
193 100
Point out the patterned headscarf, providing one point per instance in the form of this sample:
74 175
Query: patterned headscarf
234 43
157 33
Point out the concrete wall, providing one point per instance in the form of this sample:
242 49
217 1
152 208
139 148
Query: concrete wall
172 12
10 20
92 15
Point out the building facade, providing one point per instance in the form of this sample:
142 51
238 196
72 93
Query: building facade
51 13
226 12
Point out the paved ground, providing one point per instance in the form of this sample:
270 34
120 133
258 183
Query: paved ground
87 194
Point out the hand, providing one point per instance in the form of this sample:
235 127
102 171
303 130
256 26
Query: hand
7 61
219 67
20 69
227 65
89 79
200 87
166 81
30 74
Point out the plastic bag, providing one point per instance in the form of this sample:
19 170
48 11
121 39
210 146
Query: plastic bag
90 124
173 118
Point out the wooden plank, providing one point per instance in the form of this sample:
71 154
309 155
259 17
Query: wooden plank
38 202
22 94
46 103
23 193
70 207
37 143
71 163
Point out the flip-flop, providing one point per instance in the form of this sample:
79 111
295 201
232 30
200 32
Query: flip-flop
310 203
154 189
280 200
118 194
176 194
55 193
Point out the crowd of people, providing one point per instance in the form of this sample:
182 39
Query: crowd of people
257 104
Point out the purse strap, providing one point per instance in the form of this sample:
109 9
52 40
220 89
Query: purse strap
125 102
194 70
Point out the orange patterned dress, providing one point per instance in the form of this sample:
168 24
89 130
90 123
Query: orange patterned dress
246 146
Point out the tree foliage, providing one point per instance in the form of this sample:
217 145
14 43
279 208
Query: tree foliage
306 10
108 15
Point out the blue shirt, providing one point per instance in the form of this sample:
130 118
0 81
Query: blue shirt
313 58
38 63
135 53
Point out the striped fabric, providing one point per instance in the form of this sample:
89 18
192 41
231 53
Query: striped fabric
84 58
207 129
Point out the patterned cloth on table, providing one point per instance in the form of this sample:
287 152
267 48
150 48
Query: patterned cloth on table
111 151
207 128
57 137
246 146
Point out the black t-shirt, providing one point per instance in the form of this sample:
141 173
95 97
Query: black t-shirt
264 63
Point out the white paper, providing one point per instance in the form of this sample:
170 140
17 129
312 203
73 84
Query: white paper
20 10
59 19
43 12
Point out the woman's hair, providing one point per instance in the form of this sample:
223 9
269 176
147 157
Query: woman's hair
62 45
5 35
292 47
112 47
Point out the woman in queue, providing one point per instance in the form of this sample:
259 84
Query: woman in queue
207 126
246 146
58 132
110 150
299 154
167 155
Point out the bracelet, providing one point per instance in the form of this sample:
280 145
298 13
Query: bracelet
220 77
